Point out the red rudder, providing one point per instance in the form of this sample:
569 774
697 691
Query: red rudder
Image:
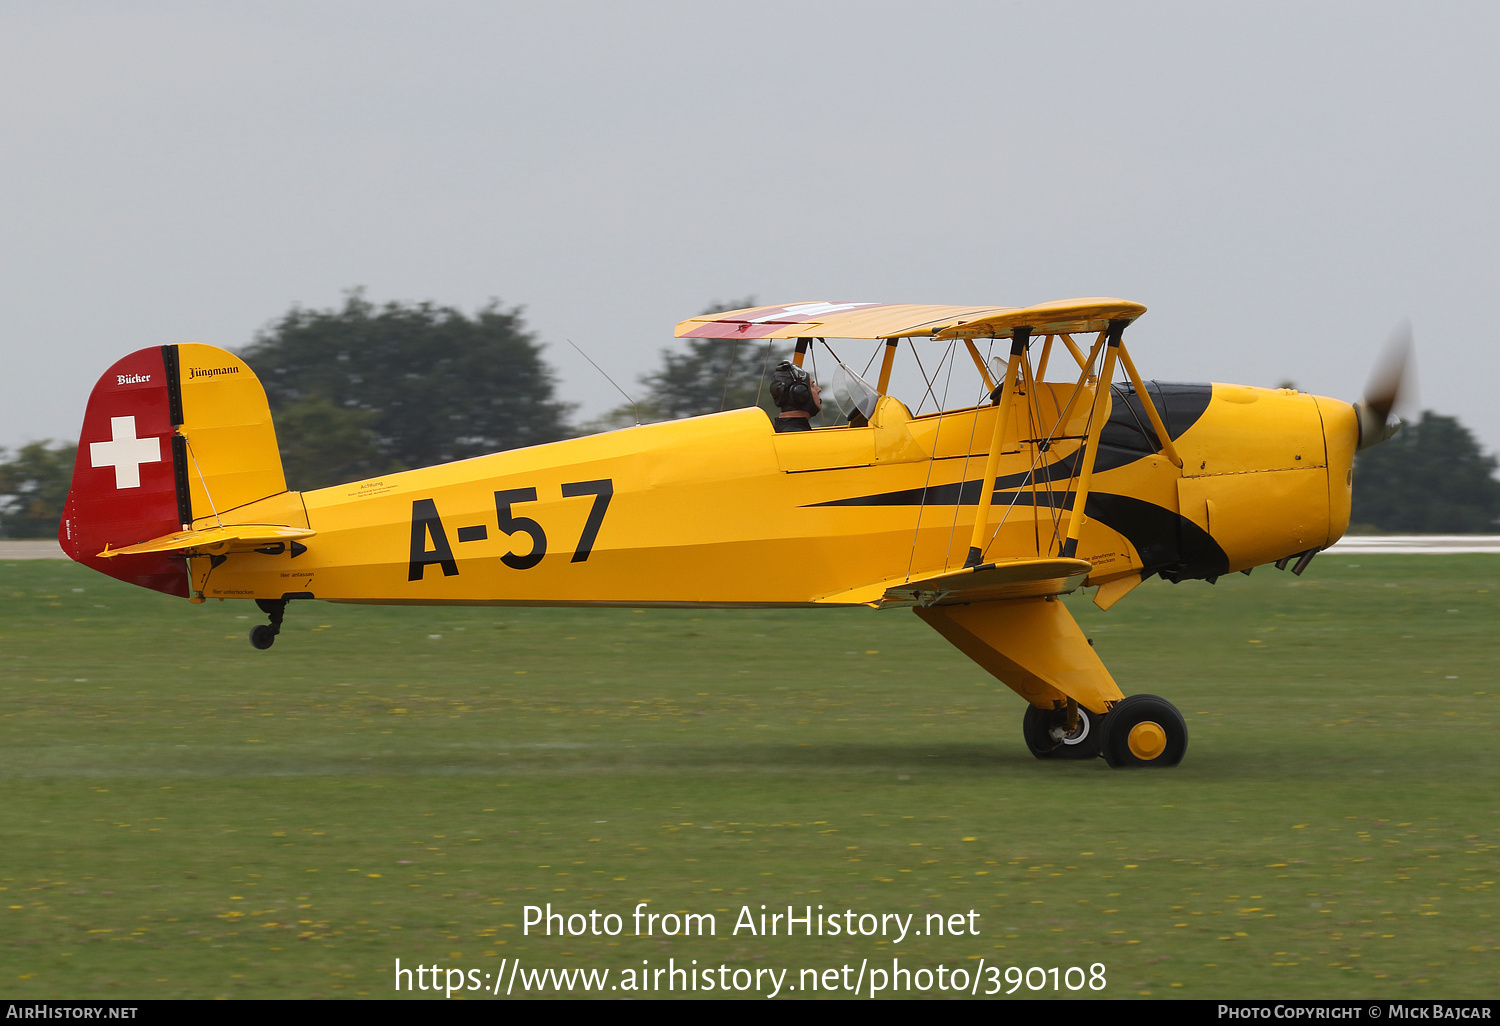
128 483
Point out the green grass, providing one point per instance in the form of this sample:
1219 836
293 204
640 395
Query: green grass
187 817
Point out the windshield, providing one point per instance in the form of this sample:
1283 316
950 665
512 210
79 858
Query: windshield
852 392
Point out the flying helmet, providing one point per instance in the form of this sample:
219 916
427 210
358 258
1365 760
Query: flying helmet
791 388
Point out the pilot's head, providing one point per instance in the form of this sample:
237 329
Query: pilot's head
794 390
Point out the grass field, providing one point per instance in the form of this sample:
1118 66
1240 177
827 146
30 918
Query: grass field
187 817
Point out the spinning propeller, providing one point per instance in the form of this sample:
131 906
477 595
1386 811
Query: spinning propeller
1392 381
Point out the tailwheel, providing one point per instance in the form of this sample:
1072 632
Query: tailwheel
1143 730
263 636
1050 736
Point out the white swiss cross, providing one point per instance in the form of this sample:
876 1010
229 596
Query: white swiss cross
804 311
125 452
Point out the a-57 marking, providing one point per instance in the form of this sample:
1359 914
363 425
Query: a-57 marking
427 526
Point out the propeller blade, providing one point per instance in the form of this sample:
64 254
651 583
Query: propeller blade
1392 383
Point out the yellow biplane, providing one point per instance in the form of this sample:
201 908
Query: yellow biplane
1049 478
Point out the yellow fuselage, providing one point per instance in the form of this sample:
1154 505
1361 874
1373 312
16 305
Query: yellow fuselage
720 510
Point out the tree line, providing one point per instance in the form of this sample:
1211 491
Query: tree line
364 390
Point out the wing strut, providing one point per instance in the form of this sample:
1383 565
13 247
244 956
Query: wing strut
984 372
1041 365
1167 447
885 365
1019 337
1113 334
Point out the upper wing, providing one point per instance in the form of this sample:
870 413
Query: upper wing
831 320
892 320
1062 316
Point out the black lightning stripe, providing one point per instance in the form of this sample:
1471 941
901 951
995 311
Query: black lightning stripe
1167 542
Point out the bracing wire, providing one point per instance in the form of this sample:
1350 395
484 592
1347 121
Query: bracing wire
835 356
812 352
947 357
984 483
963 474
1034 417
770 347
202 480
1046 444
1035 455
1053 509
844 365
923 371
1082 450
734 350
634 408
927 482
840 363
1039 446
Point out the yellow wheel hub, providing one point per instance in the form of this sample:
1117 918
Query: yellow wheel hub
1147 740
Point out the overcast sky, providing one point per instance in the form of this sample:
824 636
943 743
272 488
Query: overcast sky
1280 184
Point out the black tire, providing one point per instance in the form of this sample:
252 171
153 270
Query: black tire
1082 743
262 636
1143 730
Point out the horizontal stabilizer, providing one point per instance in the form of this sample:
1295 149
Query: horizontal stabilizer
217 540
1026 577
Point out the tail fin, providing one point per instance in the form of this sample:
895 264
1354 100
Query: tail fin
171 434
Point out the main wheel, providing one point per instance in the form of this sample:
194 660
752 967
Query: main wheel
1047 735
1143 730
262 636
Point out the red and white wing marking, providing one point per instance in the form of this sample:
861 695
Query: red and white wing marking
767 321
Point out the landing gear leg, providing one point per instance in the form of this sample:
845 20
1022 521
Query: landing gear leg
263 635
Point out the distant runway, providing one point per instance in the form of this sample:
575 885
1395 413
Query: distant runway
1350 545
1414 544
13 550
